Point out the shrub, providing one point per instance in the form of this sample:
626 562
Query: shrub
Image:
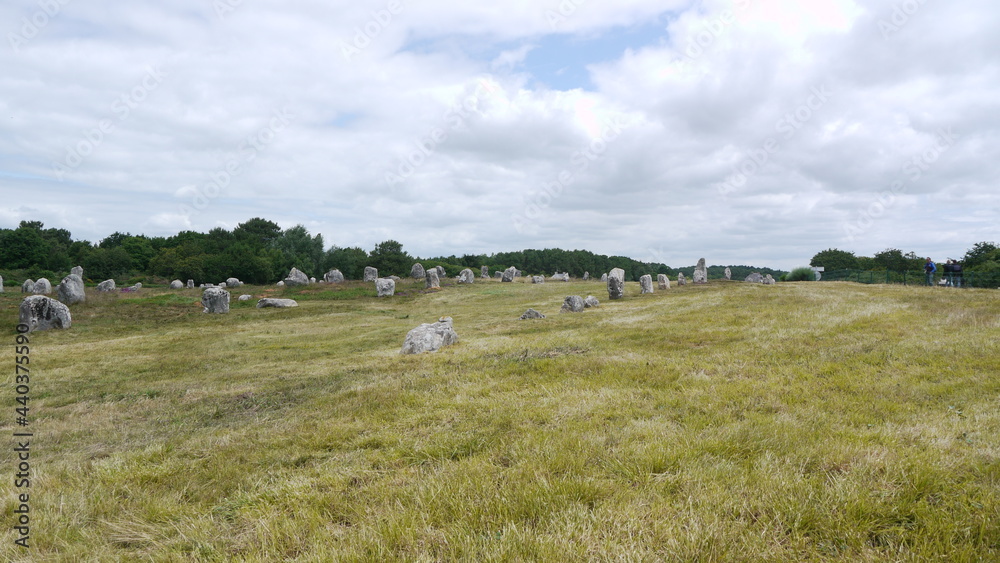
801 274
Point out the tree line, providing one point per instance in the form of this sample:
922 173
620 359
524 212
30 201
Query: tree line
259 251
983 257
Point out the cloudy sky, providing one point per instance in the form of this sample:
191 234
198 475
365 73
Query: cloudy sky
745 131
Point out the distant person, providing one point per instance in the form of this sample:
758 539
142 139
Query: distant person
929 269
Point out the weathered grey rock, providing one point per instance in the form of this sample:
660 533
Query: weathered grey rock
394 278
78 270
42 287
663 281
617 273
70 290
531 314
279 303
190 284
681 280
509 274
371 274
441 272
233 282
560 276
28 286
645 283
295 278
498 275
333 276
431 279
430 337
586 276
1 284
177 284
484 272
215 300
604 278
137 286
223 285
616 287
466 276
729 273
572 304
311 280
385 287
106 286
43 313
281 283
245 297
755 277
768 280
537 279
700 272
417 271
591 301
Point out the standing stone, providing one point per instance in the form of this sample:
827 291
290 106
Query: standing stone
537 279
333 276
385 287
280 284
508 274
245 297
430 337
466 276
233 282
591 301
754 277
417 271
572 304
215 300
278 303
190 284
311 280
681 280
431 279
295 278
498 275
768 280
1 284
223 285
70 290
531 314
586 276
176 284
42 287
42 313
564 276
700 272
78 270
604 278
616 287
729 273
28 286
646 283
663 281
617 273
484 272
137 286
441 272
106 286
371 274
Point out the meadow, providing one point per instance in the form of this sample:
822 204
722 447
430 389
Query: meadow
807 421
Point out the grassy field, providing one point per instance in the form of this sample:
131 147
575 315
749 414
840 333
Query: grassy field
728 422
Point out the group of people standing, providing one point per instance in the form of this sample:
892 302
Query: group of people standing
953 269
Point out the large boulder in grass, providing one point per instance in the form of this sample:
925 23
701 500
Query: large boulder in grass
278 303
177 284
754 277
441 272
333 276
190 284
28 286
385 287
537 279
106 286
417 271
42 287
617 273
531 314
681 280
572 304
1 284
295 278
604 278
509 274
43 313
466 276
70 290
233 282
663 281
432 280
645 283
700 272
371 274
616 287
591 301
78 270
215 300
430 337
484 272
729 273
